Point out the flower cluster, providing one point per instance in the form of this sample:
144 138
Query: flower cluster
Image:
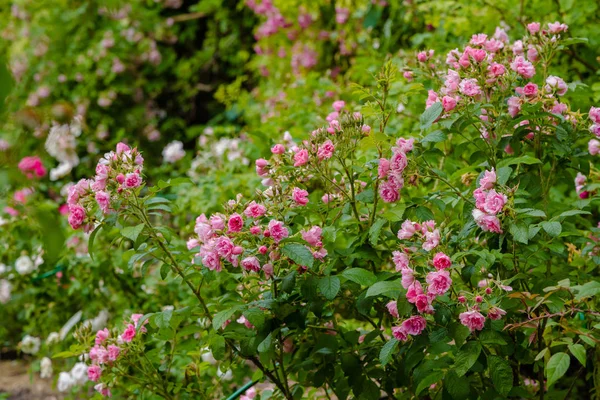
108 348
117 173
489 203
473 318
438 280
391 170
491 68
594 144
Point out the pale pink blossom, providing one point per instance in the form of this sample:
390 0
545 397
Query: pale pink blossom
472 320
392 308
439 282
300 158
414 325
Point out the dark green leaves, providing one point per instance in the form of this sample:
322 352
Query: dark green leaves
578 351
553 228
501 374
519 232
385 355
329 286
298 253
557 366
375 230
360 276
386 288
430 115
466 357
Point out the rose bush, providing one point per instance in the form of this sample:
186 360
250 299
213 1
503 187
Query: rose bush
323 234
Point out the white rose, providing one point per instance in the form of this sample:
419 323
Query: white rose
5 290
45 368
24 265
79 373
65 382
30 344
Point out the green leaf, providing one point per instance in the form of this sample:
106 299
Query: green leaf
163 319
503 174
385 355
91 241
466 357
434 137
386 288
360 276
221 317
501 373
553 228
491 337
423 214
164 271
217 347
429 380
526 159
329 286
579 352
530 212
256 316
589 289
557 366
375 230
458 388
519 232
430 115
132 232
570 213
298 253
265 345
366 196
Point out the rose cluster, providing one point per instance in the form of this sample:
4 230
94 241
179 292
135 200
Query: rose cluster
391 170
117 173
473 318
438 280
489 203
107 350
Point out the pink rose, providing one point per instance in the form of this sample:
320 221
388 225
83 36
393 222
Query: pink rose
489 223
301 158
595 114
76 215
495 70
277 230
514 106
533 28
441 261
407 230
392 308
523 67
472 320
313 236
300 196
488 180
439 282
94 372
235 223
122 147
432 240
101 336
388 192
557 27
113 352
408 278
556 84
325 150
594 147
132 180
400 259
251 264
255 210
530 89
32 167
278 149
469 87
449 103
338 105
103 389
384 168
398 162
414 325
413 291
103 200
494 202
261 167
399 333
129 333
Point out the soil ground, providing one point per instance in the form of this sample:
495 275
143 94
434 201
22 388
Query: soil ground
17 384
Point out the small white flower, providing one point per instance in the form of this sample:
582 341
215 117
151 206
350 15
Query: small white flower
45 368
225 376
79 373
65 382
52 338
173 152
5 291
30 344
24 265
